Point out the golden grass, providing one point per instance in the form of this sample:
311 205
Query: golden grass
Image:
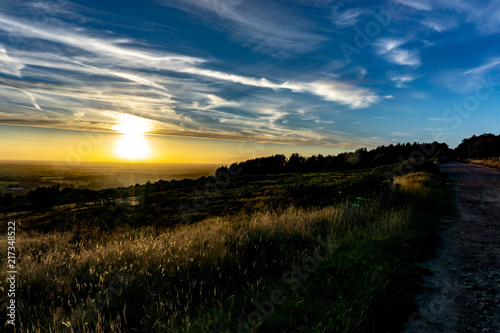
486 163
416 183
184 271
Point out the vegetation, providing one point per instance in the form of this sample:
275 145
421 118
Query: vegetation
479 147
303 251
490 164
361 158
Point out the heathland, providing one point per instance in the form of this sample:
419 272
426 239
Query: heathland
323 244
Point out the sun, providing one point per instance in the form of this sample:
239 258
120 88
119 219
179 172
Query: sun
133 144
133 148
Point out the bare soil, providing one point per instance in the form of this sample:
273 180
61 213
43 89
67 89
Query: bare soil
463 292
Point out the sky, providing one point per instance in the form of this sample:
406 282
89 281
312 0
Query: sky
217 81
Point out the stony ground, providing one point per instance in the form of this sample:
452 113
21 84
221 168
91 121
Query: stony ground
463 292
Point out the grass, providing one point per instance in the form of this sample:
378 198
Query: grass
486 163
204 276
416 183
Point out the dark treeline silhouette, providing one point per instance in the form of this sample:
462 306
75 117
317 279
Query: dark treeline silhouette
479 147
361 158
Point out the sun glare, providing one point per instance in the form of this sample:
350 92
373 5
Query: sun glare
133 144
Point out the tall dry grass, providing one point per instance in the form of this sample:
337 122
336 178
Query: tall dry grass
200 277
416 183
487 163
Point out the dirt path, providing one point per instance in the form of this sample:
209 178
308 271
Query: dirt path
463 293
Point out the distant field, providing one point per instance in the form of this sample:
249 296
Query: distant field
91 175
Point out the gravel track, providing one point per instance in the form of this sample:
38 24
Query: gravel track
463 292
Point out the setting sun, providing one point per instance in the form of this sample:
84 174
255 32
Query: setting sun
133 144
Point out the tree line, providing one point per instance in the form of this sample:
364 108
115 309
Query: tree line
361 158
479 147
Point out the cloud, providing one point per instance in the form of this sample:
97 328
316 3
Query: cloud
7 65
486 66
420 95
324 121
33 100
484 14
105 48
261 23
335 91
440 25
422 5
213 102
390 49
455 80
385 45
348 17
466 80
405 58
343 93
361 72
134 58
401 80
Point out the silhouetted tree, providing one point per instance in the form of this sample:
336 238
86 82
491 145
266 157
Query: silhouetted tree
479 147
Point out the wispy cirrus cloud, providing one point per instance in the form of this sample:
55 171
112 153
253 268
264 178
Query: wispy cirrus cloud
211 101
97 45
385 45
405 58
402 80
423 5
466 80
258 22
445 15
390 49
492 63
343 93
347 17
483 14
440 24
9 66
128 57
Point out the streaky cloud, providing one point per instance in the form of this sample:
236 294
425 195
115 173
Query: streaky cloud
184 64
486 66
422 5
8 65
258 22
348 17
390 49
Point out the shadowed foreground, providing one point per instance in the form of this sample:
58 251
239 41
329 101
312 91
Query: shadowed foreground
349 266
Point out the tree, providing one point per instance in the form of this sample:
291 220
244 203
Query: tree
7 200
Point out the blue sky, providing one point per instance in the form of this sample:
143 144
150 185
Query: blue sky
316 76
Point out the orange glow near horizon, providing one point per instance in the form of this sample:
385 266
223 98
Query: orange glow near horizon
72 147
133 144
